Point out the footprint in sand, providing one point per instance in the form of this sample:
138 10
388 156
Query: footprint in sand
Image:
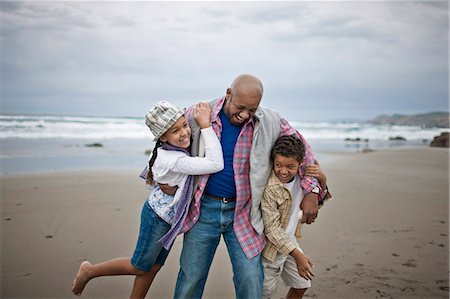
332 267
443 285
410 263
408 289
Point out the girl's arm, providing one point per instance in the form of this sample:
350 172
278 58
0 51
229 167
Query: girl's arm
213 160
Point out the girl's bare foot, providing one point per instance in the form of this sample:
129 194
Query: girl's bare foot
81 279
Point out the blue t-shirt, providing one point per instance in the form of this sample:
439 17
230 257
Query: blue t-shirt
222 183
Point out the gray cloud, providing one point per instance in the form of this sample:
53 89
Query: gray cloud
62 57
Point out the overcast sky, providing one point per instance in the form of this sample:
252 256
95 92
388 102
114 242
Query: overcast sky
317 60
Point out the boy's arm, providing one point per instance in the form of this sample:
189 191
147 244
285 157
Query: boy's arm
272 223
304 265
316 171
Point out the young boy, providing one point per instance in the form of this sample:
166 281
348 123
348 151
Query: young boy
282 216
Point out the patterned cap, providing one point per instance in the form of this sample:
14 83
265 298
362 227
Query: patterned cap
161 117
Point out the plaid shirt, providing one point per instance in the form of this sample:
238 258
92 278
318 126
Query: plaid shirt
276 208
251 242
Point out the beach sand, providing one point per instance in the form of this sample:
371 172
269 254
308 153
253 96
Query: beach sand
383 235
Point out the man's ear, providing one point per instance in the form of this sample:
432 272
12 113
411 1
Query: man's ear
228 95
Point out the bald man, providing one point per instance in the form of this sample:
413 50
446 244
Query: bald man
227 203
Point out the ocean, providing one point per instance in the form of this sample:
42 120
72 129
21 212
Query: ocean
42 143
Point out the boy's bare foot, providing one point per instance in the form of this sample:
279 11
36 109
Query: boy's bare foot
81 279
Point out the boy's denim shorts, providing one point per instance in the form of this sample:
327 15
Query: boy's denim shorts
148 252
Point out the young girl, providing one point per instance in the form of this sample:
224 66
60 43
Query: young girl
162 215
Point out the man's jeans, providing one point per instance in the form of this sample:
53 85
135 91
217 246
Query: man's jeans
199 247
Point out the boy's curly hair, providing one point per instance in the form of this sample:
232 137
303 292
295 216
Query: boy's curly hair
289 146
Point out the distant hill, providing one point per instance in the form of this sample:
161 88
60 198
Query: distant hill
427 120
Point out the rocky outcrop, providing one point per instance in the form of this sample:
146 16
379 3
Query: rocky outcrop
426 120
441 140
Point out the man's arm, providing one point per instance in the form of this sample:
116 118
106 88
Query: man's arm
168 189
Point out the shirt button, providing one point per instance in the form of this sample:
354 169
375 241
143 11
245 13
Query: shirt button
195 218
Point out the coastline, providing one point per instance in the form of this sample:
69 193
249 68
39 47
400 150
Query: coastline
375 238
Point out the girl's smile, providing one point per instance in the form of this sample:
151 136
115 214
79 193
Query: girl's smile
179 134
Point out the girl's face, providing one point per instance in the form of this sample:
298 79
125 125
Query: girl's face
285 168
179 134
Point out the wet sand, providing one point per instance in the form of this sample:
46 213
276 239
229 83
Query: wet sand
383 235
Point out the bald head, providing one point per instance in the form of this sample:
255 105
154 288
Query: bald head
246 84
243 98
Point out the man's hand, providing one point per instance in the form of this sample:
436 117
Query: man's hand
310 207
168 189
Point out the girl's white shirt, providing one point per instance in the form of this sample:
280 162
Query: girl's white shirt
173 168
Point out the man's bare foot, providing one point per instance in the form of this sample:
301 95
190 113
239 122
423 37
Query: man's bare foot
81 279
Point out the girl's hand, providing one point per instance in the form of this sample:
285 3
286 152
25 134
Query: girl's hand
316 171
202 115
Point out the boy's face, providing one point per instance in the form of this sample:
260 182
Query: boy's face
285 168
178 134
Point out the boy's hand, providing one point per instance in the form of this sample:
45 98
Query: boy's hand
202 115
304 265
315 170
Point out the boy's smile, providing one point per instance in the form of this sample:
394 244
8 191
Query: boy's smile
285 168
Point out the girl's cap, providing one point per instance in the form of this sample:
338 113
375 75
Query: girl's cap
161 117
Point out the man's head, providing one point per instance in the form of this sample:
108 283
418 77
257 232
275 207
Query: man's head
243 98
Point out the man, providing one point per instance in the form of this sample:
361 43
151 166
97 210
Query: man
228 203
